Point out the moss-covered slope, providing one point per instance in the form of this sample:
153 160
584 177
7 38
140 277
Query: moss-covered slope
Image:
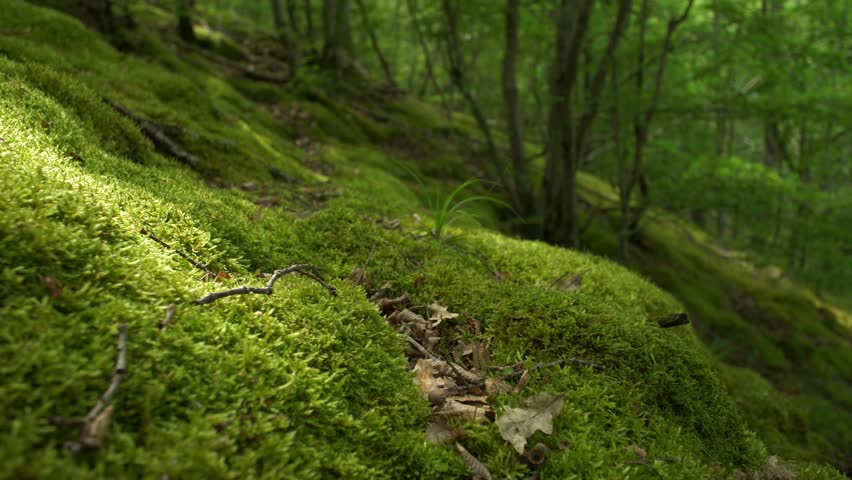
298 384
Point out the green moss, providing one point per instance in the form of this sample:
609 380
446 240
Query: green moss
299 384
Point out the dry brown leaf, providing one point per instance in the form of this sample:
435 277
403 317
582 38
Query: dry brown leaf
496 386
470 408
518 424
482 355
479 471
438 314
431 377
406 316
437 430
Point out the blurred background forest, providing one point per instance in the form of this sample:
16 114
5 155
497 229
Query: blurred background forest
737 115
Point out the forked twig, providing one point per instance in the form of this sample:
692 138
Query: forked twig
307 270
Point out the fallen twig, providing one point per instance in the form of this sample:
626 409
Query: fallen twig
576 361
156 132
194 263
170 312
473 464
307 270
95 423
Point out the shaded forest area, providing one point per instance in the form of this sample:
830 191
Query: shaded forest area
399 154
734 114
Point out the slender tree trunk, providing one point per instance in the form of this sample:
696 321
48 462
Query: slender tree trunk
290 47
457 76
337 33
374 41
513 110
185 30
643 119
292 17
309 20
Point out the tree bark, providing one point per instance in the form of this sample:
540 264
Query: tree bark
337 33
185 30
459 80
513 111
290 47
567 146
309 20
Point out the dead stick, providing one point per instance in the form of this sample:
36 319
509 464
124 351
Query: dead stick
426 353
195 263
307 270
156 133
170 312
117 376
560 278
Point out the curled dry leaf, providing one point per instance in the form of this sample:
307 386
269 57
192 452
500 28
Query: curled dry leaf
538 454
522 383
468 408
518 424
438 314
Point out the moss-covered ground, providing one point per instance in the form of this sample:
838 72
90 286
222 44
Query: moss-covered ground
300 384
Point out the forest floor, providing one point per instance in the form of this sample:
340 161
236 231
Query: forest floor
153 196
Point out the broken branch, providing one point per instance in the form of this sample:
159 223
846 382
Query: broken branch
156 132
170 312
307 270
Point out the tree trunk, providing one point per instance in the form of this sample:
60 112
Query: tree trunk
309 20
459 79
185 30
337 33
567 146
374 41
513 111
290 47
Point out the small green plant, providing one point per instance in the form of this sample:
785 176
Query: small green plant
446 210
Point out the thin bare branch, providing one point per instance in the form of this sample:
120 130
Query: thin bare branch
194 263
307 270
